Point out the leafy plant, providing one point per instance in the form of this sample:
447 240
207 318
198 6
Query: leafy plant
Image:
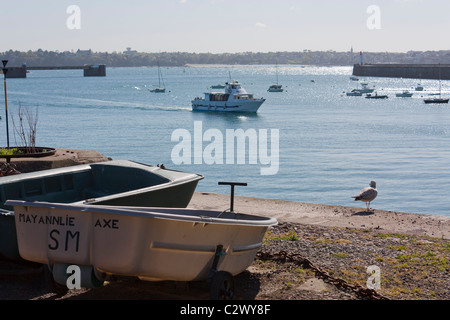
10 151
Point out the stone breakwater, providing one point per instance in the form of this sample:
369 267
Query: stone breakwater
412 71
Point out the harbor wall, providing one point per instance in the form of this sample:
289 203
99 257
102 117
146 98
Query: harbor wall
412 71
16 72
98 70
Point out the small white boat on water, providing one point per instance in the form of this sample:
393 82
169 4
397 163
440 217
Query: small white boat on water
404 94
419 87
276 87
159 89
354 93
234 99
376 96
439 100
365 88
360 91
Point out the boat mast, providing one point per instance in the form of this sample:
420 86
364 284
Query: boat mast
439 80
276 69
160 77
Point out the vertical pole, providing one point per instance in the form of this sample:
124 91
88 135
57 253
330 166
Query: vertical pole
232 199
5 70
6 112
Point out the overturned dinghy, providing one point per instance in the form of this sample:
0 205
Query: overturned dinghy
149 243
118 183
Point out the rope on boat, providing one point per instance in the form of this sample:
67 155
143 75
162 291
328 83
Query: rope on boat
305 262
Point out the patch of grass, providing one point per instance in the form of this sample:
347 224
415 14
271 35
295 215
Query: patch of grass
289 236
398 248
392 235
340 255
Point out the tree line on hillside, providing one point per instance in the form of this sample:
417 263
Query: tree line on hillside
139 59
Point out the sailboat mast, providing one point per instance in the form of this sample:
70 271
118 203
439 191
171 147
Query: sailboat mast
159 76
439 80
276 68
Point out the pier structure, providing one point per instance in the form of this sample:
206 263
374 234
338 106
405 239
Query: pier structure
98 70
411 71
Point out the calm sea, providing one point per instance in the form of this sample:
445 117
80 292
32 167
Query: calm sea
330 145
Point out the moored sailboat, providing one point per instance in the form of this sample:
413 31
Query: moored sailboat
159 89
440 99
275 87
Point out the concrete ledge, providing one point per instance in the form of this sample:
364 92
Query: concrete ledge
61 158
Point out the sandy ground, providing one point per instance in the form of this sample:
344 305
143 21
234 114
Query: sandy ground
329 216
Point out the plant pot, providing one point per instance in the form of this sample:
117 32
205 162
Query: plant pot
38 153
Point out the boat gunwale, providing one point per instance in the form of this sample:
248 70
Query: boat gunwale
152 213
155 170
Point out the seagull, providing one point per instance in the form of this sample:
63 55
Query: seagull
367 194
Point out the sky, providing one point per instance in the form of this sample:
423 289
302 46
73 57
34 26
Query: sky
220 26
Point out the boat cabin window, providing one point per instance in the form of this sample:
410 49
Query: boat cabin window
243 96
218 97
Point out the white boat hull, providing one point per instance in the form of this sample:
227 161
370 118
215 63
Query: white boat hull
149 243
233 99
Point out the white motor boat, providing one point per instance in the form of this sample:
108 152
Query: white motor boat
365 88
404 94
275 88
359 91
233 99
354 93
150 243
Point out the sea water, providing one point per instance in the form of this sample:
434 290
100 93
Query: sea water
329 145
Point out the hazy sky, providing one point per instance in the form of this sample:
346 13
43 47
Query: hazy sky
226 26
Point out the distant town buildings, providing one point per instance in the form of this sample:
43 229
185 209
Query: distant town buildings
133 58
